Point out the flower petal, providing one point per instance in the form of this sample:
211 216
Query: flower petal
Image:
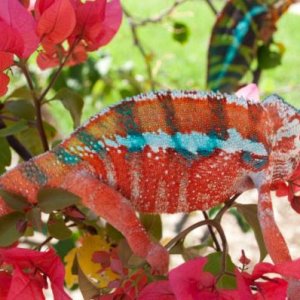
289 269
56 22
189 279
46 262
275 289
22 287
15 15
6 60
5 282
157 290
249 91
4 80
110 26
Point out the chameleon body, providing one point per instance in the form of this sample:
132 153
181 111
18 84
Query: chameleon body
167 152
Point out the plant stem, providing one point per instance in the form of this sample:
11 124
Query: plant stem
37 105
58 71
38 100
226 206
212 7
16 145
138 44
212 234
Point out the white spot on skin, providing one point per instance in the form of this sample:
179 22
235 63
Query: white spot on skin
110 171
182 195
135 181
161 197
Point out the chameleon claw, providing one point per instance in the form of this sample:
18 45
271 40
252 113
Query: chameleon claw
158 258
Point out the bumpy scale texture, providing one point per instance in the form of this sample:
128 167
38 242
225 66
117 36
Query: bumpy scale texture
166 152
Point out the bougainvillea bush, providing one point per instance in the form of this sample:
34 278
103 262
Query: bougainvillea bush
78 250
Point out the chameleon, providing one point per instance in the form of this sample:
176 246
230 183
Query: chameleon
167 152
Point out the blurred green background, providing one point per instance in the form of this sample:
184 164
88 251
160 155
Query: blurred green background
118 70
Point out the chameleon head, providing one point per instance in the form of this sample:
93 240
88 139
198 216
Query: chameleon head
284 119
285 153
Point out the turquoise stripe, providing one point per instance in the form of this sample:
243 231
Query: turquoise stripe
66 157
188 144
238 36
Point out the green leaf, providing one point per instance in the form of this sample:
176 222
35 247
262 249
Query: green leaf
240 219
73 102
11 228
55 199
214 266
34 217
5 155
114 234
22 92
16 202
152 224
249 212
57 227
63 247
21 108
88 290
193 252
31 138
180 32
268 57
13 129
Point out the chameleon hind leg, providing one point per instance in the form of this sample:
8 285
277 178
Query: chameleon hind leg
118 211
273 238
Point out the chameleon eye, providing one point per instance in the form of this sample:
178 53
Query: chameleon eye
254 160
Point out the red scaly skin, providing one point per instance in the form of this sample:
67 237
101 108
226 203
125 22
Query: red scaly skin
168 152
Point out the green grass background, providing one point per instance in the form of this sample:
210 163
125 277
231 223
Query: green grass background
178 66
184 66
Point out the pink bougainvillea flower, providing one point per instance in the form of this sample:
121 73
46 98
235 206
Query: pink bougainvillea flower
275 288
97 22
27 273
250 91
6 60
189 282
52 59
244 259
55 20
290 188
17 28
4 80
18 37
130 288
95 25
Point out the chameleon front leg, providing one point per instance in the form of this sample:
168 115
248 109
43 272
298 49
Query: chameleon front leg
273 238
118 211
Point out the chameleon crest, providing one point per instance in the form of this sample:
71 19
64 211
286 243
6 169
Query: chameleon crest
167 152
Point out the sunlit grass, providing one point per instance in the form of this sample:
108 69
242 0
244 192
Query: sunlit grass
178 66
